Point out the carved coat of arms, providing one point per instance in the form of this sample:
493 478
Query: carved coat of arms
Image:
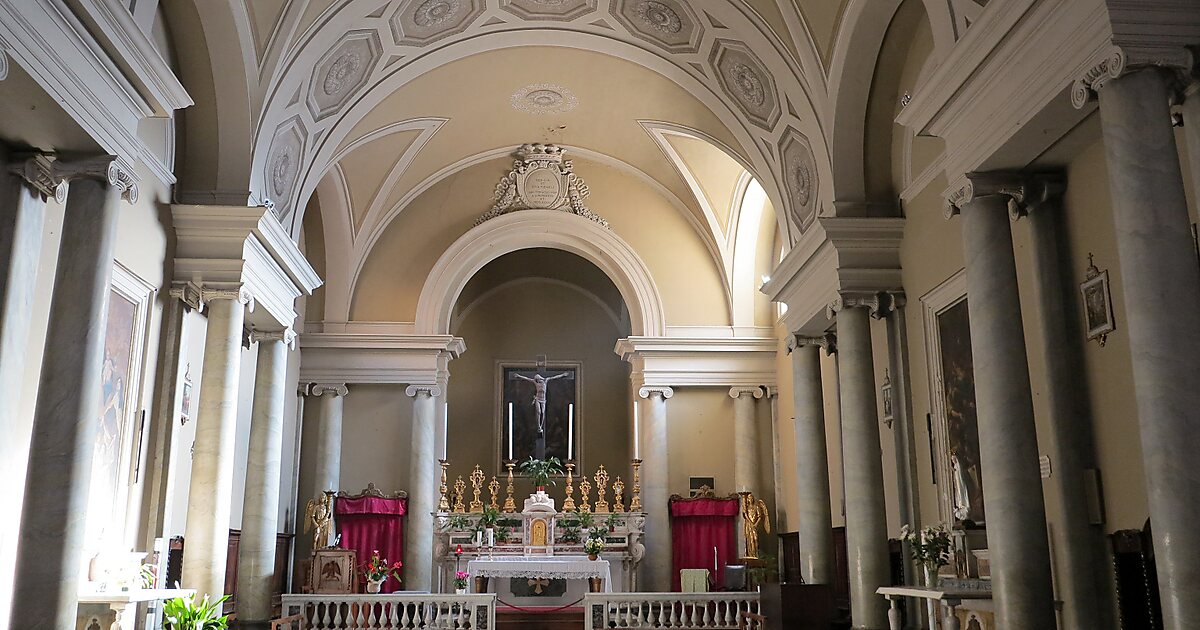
541 180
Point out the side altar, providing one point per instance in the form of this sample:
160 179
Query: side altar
547 543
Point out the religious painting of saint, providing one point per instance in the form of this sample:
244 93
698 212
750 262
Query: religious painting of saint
962 425
542 401
114 416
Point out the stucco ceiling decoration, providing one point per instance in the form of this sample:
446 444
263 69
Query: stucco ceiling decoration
283 164
544 98
541 179
800 177
667 23
745 79
549 9
343 72
420 22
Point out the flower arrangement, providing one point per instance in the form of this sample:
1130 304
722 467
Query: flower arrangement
378 570
930 546
541 470
194 613
460 579
593 546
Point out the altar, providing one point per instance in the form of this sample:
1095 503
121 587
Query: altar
546 581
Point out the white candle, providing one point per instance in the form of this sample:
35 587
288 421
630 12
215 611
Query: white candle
510 430
637 450
570 430
714 563
445 428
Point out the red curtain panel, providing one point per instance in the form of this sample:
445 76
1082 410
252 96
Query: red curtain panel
370 524
697 526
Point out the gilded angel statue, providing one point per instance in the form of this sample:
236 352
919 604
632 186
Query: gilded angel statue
318 515
754 513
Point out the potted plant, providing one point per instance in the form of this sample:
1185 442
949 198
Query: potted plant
540 470
460 582
593 546
186 613
487 523
377 571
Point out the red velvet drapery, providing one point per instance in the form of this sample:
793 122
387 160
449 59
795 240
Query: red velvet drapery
698 525
369 524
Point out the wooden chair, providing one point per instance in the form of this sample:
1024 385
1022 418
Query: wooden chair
291 622
750 621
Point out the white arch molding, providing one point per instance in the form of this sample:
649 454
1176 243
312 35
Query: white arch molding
529 229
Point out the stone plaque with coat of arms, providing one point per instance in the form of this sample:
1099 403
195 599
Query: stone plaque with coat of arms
541 179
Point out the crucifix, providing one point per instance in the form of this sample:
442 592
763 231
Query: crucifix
540 379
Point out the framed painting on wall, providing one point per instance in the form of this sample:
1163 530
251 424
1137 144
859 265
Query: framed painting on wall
115 450
956 463
544 402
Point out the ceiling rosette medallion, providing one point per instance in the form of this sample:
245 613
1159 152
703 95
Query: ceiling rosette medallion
799 177
544 98
423 21
343 72
549 9
668 23
283 164
541 179
746 80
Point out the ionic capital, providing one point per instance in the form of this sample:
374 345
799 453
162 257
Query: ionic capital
977 185
333 389
647 392
1042 191
415 391
189 293
738 391
877 303
1117 61
828 341
287 336
105 168
239 294
37 169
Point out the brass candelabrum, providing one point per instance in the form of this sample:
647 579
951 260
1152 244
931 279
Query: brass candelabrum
618 491
569 502
443 500
635 503
460 488
601 478
509 504
494 489
585 487
477 478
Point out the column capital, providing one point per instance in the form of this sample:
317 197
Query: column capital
1118 61
320 389
877 303
647 392
738 391
975 185
415 391
828 341
287 336
105 168
37 169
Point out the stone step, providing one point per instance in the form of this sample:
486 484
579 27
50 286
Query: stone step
529 619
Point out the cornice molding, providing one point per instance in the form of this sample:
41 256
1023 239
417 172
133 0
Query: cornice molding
378 357
700 362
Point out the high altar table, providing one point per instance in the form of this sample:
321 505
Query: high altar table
576 570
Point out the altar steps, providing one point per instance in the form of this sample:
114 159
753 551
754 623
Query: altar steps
512 619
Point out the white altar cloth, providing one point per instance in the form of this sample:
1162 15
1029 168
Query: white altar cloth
554 568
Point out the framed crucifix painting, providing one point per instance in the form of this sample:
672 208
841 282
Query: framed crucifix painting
538 412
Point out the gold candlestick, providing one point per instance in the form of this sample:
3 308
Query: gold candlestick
635 503
443 500
618 490
494 488
585 487
460 488
509 504
601 489
477 478
569 502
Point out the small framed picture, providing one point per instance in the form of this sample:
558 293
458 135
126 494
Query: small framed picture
185 406
1097 303
885 393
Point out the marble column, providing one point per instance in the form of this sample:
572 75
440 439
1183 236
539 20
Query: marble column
328 447
157 498
422 492
1191 135
54 514
745 439
1008 447
655 487
812 460
1161 287
260 507
1084 578
206 535
862 457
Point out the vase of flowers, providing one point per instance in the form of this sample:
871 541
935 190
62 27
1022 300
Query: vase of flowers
460 582
540 470
593 546
930 548
377 571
